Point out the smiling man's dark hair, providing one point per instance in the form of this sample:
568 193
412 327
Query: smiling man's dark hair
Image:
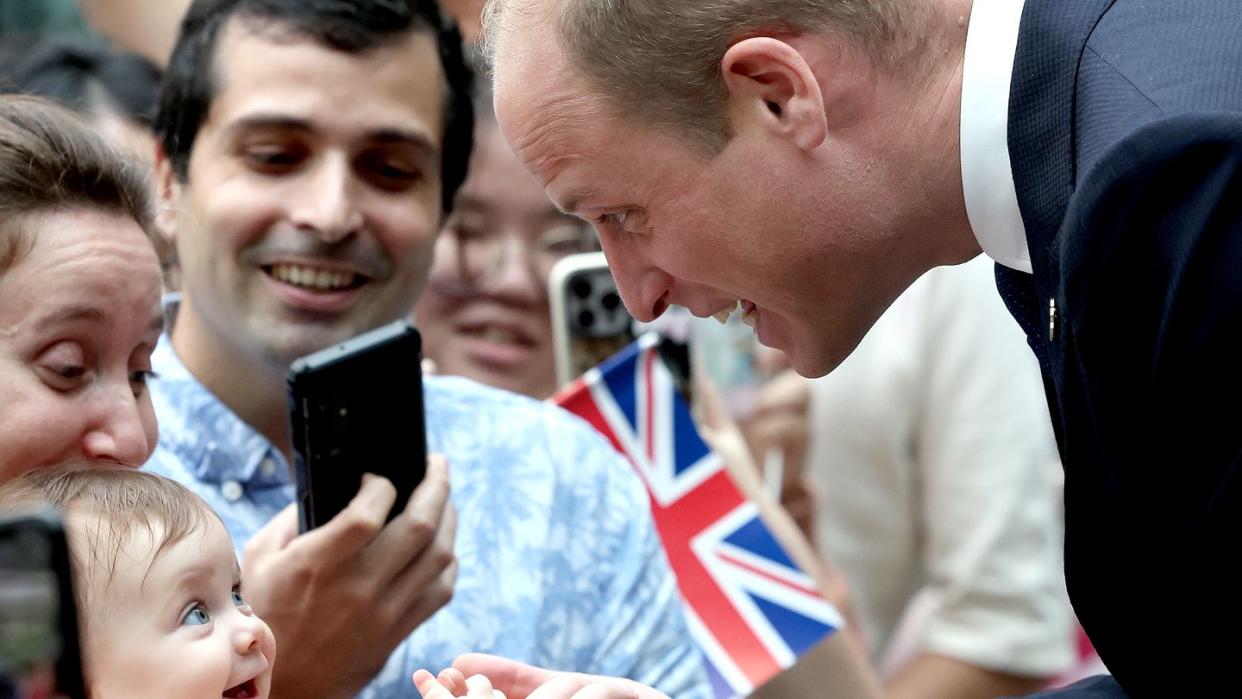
350 26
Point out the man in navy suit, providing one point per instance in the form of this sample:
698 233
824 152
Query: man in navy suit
806 160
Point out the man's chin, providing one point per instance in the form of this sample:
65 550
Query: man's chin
813 360
286 343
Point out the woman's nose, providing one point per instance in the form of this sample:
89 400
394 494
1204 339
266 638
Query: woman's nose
118 433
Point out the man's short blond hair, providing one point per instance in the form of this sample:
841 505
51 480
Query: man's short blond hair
658 61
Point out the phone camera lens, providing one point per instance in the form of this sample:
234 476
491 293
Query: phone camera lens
581 288
611 301
586 319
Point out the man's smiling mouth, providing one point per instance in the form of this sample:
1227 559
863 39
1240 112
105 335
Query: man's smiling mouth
314 278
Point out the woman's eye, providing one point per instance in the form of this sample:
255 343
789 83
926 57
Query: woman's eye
196 616
140 377
69 371
464 232
63 366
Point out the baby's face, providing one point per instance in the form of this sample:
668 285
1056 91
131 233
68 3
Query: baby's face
180 629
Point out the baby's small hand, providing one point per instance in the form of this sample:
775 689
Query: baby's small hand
452 683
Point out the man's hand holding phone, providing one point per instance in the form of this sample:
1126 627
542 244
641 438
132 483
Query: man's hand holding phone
347 593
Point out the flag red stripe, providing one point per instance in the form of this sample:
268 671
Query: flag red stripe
740 563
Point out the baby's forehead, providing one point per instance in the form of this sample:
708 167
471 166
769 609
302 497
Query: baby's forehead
131 553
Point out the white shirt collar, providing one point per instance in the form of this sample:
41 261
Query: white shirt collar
987 177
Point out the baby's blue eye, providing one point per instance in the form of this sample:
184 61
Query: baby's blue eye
237 599
197 616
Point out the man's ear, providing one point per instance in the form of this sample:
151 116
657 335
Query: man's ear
770 82
167 194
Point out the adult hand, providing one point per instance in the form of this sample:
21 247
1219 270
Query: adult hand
522 681
345 594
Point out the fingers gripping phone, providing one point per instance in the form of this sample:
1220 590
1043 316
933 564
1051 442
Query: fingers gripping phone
39 651
357 407
589 322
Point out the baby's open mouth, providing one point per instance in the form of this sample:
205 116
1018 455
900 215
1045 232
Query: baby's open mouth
245 690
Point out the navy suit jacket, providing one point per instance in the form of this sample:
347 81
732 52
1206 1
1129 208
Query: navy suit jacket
1125 137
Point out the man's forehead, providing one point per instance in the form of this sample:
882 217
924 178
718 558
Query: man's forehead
545 126
268 62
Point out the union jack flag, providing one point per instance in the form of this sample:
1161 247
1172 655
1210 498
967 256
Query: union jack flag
752 610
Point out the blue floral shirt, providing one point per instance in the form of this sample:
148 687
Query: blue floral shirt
559 564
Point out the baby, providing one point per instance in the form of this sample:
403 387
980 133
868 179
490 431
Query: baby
157 585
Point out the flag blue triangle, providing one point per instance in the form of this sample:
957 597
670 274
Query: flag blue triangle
799 631
755 537
620 373
688 446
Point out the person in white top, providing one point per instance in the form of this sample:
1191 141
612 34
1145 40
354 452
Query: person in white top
940 490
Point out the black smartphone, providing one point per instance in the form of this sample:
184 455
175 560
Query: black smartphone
357 407
39 651
589 322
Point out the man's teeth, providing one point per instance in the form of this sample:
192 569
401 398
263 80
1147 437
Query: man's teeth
498 335
319 279
749 315
723 316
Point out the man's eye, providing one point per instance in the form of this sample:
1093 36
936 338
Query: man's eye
196 616
274 158
613 220
387 173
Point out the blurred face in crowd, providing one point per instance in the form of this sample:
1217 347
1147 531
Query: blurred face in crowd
311 204
809 218
485 313
79 318
175 624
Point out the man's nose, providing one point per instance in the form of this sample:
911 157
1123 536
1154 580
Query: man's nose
118 432
326 202
644 287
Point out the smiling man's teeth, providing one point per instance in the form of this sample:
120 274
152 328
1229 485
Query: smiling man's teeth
749 314
311 278
723 316
499 336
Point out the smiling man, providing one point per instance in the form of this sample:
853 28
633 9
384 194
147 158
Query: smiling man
811 158
308 151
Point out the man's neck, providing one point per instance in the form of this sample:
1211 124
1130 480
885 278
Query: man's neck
935 123
251 388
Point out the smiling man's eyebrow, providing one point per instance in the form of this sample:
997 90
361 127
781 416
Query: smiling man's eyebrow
264 120
573 200
416 139
260 121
